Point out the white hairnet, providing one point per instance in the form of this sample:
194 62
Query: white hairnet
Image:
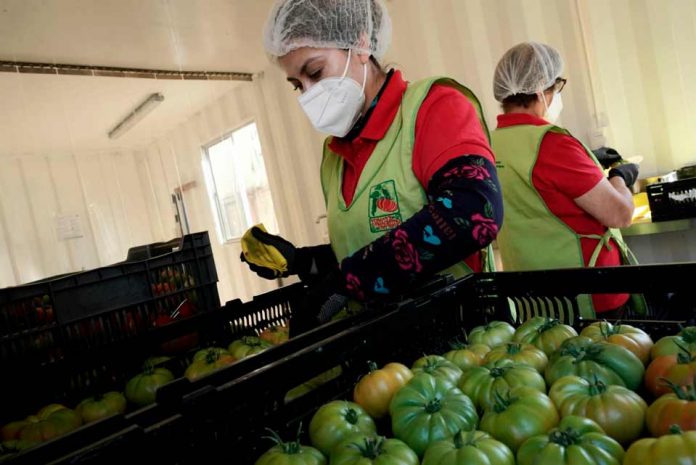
360 25
526 68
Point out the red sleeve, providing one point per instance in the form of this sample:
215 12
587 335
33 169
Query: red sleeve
447 127
563 165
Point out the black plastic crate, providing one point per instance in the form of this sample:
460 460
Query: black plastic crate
225 424
672 200
143 252
65 338
553 293
217 328
223 418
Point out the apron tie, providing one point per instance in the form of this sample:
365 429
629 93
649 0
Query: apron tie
604 242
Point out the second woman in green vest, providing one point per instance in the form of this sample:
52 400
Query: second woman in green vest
560 208
408 174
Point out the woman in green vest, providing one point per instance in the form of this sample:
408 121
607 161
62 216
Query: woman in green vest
561 210
408 174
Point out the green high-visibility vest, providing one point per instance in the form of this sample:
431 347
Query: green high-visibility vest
532 237
388 192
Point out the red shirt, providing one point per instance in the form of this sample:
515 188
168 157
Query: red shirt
564 172
447 127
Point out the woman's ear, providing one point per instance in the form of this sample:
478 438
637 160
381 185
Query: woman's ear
364 42
364 58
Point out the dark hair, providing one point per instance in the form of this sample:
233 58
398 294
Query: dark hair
382 69
519 100
522 100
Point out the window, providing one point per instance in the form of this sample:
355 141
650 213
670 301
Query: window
237 183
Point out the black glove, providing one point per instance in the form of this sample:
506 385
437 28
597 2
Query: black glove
324 298
628 171
607 156
286 249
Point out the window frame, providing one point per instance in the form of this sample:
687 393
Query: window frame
208 173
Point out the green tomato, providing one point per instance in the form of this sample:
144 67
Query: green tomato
246 346
438 367
677 448
519 415
670 345
337 421
203 354
525 354
545 333
482 383
429 409
472 448
373 450
576 441
101 406
466 356
142 388
493 334
290 453
619 411
610 363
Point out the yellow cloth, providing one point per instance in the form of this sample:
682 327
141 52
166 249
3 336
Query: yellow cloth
261 254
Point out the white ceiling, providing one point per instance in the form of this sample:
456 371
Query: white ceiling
219 35
49 114
52 114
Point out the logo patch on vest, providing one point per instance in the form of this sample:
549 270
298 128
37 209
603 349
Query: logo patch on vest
384 214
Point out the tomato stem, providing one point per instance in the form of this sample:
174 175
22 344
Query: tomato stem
684 356
514 348
289 448
682 392
372 366
372 448
548 324
211 356
675 429
497 372
458 440
433 406
597 387
688 334
501 403
351 416
565 438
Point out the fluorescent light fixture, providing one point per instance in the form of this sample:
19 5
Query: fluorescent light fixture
136 115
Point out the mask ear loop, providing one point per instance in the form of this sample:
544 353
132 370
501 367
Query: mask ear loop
541 95
364 77
345 70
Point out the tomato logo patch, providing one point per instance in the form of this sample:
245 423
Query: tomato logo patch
384 214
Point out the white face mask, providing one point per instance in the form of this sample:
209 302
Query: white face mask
553 111
333 104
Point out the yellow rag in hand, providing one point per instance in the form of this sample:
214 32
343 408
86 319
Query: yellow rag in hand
262 254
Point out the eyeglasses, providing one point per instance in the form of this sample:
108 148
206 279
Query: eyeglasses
559 84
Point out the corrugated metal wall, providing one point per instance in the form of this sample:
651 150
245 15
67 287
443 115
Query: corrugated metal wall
99 188
645 65
629 64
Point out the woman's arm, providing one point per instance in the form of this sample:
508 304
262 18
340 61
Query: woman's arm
609 202
464 214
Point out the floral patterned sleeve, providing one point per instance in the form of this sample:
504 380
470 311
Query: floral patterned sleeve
464 215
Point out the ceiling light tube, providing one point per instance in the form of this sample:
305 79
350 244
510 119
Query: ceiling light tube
136 115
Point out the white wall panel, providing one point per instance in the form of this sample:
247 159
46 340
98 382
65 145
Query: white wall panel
70 200
629 62
643 51
43 208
